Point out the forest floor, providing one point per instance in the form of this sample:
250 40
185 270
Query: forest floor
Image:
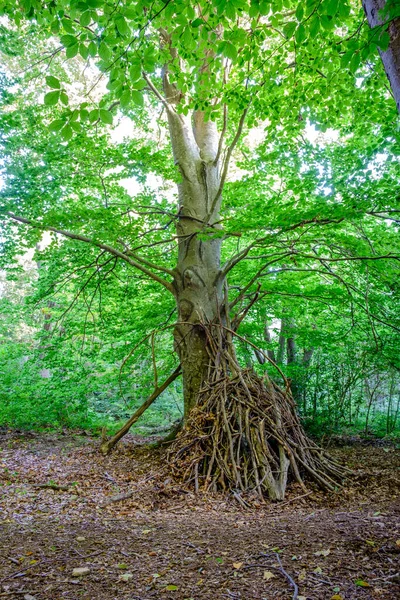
61 508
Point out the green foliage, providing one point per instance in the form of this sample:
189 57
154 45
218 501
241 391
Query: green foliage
314 198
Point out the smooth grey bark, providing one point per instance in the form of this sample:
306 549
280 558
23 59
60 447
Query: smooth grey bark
198 285
391 57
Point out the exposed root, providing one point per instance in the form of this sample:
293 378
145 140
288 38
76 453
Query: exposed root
244 435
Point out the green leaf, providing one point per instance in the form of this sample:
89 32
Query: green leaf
84 51
301 34
331 7
92 49
94 115
362 583
104 52
140 84
327 22
53 82
384 41
299 12
230 51
85 18
106 116
197 23
314 27
130 12
122 26
51 98
289 29
77 127
137 98
354 62
68 40
253 11
171 588
56 125
67 133
72 51
135 72
125 98
344 9
64 98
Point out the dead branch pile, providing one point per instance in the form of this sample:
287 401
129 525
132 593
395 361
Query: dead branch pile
244 435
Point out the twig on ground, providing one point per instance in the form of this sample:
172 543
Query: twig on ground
117 498
288 577
53 486
294 499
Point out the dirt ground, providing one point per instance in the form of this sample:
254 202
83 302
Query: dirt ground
62 508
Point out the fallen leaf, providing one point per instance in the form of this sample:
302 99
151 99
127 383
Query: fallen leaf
29 597
237 565
80 538
322 553
146 531
318 570
126 576
301 598
337 597
268 575
362 583
80 571
302 575
397 542
171 588
122 566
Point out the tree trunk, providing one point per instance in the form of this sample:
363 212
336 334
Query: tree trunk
198 285
390 57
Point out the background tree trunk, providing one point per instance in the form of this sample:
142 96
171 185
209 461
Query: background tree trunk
390 57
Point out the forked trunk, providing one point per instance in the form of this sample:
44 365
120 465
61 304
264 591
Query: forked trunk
198 286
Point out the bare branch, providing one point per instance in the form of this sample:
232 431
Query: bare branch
106 247
222 136
168 107
226 162
345 258
144 261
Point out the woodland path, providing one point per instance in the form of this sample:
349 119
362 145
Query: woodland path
165 543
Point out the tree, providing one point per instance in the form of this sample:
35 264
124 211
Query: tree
218 70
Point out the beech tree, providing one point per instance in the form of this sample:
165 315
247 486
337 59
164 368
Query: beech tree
385 16
238 83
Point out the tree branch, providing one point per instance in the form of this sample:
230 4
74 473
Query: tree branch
107 445
222 136
106 247
226 163
167 105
